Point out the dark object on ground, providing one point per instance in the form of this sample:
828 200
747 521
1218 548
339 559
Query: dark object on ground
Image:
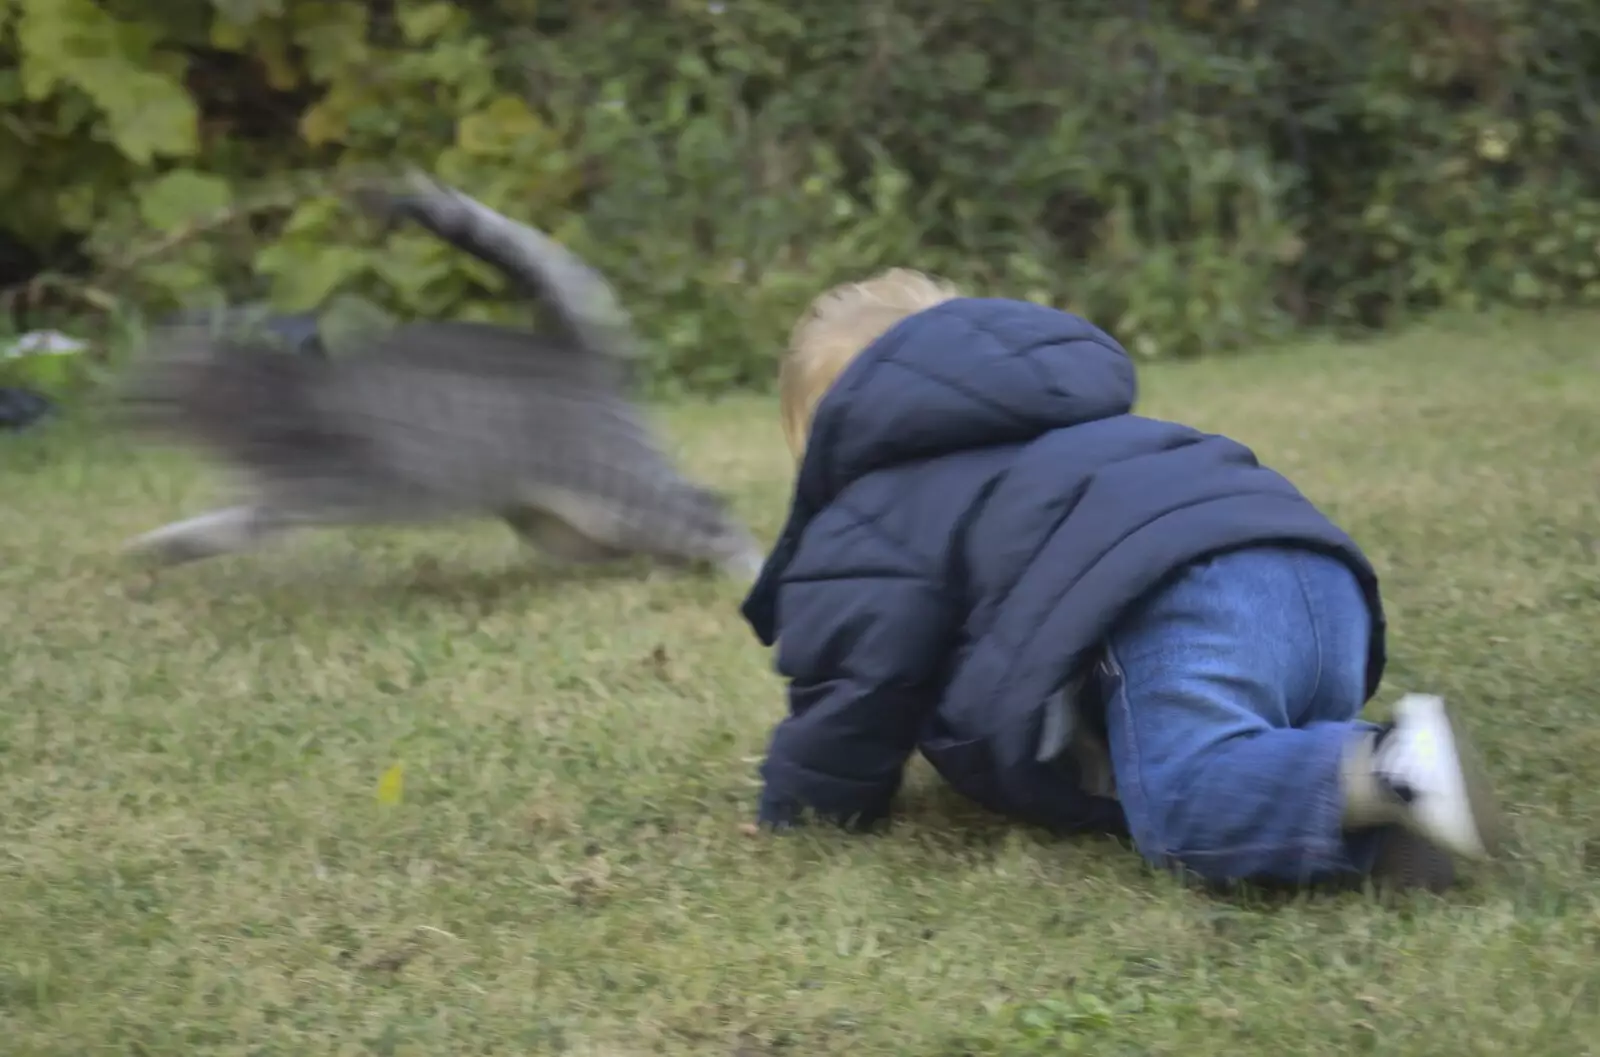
431 421
22 408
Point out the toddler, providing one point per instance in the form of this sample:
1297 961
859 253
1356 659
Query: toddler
1083 618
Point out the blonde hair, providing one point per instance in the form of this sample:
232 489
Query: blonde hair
835 328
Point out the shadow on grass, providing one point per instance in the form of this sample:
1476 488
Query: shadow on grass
946 821
352 586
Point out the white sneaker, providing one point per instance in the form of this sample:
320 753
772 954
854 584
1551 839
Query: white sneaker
1424 764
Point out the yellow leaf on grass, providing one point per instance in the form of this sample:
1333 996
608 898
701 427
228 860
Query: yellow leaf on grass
392 786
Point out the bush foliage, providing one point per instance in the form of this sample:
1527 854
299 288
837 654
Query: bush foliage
1196 175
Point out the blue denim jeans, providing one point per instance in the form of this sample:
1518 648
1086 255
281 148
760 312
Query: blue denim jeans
1231 695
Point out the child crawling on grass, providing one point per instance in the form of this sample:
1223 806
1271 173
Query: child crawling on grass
1083 618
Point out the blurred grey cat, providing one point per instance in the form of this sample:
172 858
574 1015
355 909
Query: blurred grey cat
438 420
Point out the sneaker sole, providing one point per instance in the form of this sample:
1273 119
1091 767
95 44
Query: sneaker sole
1486 823
1406 861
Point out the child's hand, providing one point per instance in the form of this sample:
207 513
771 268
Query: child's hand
750 829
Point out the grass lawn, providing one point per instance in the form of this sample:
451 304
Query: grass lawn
194 858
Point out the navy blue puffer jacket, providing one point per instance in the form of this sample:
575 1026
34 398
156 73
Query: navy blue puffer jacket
976 506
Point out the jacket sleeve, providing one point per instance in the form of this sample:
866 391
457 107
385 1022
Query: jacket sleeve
862 643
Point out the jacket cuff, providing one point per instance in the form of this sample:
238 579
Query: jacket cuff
784 813
777 812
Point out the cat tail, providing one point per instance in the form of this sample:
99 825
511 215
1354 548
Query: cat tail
584 304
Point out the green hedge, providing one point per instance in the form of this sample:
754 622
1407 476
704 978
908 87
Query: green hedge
1197 175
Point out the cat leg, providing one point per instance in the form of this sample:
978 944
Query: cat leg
556 538
217 532
574 528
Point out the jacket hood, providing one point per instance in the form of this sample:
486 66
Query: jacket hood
969 373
